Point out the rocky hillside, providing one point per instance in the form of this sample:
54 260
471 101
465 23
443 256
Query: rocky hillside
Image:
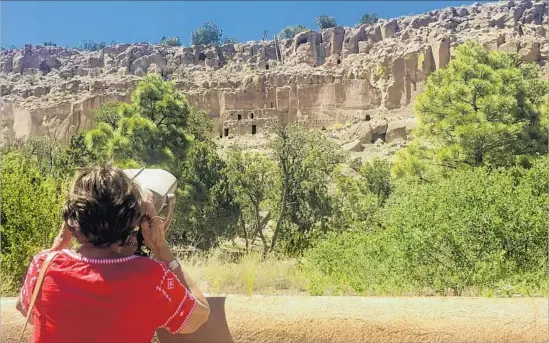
363 79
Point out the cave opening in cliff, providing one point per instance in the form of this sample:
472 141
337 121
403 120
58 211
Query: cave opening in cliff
266 67
202 57
251 115
367 117
226 131
239 117
338 61
44 68
254 129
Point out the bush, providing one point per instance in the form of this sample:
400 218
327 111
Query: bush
368 18
474 228
89 45
49 44
207 34
30 217
325 22
170 41
356 263
377 178
230 40
474 232
290 31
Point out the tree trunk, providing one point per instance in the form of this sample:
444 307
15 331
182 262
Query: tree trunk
280 216
243 223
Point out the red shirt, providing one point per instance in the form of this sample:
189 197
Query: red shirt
105 300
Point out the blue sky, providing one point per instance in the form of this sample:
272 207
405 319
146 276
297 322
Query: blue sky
68 23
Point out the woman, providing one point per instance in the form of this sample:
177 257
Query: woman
98 293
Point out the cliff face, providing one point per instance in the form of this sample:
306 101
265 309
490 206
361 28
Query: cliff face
370 73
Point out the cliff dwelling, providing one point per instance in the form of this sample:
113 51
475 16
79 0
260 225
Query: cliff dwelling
379 69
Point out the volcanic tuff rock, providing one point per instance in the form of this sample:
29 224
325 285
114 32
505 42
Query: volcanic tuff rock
366 76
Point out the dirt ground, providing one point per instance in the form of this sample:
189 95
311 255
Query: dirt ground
355 319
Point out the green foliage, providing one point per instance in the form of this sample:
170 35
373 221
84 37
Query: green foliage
151 131
290 31
474 228
207 34
358 199
473 231
160 129
306 161
230 40
253 177
265 35
368 18
30 217
49 44
487 108
377 178
109 112
170 41
206 208
89 45
354 205
325 22
355 263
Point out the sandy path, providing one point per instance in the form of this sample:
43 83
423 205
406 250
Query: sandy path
356 319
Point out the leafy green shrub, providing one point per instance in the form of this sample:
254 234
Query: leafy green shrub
474 231
474 228
352 263
325 22
290 31
170 41
30 217
230 40
89 45
377 178
207 34
368 18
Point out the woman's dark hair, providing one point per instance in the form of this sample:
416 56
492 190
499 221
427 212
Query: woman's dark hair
103 205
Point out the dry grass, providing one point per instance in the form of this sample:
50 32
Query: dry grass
217 274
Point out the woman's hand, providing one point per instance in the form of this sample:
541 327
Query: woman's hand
63 239
154 234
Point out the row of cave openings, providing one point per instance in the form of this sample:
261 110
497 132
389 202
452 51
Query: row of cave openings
226 131
239 118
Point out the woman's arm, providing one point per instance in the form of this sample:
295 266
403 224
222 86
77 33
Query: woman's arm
201 312
63 239
19 307
25 295
154 237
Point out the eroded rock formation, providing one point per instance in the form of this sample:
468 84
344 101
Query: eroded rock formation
340 75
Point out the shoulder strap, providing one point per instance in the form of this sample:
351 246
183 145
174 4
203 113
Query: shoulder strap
37 287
